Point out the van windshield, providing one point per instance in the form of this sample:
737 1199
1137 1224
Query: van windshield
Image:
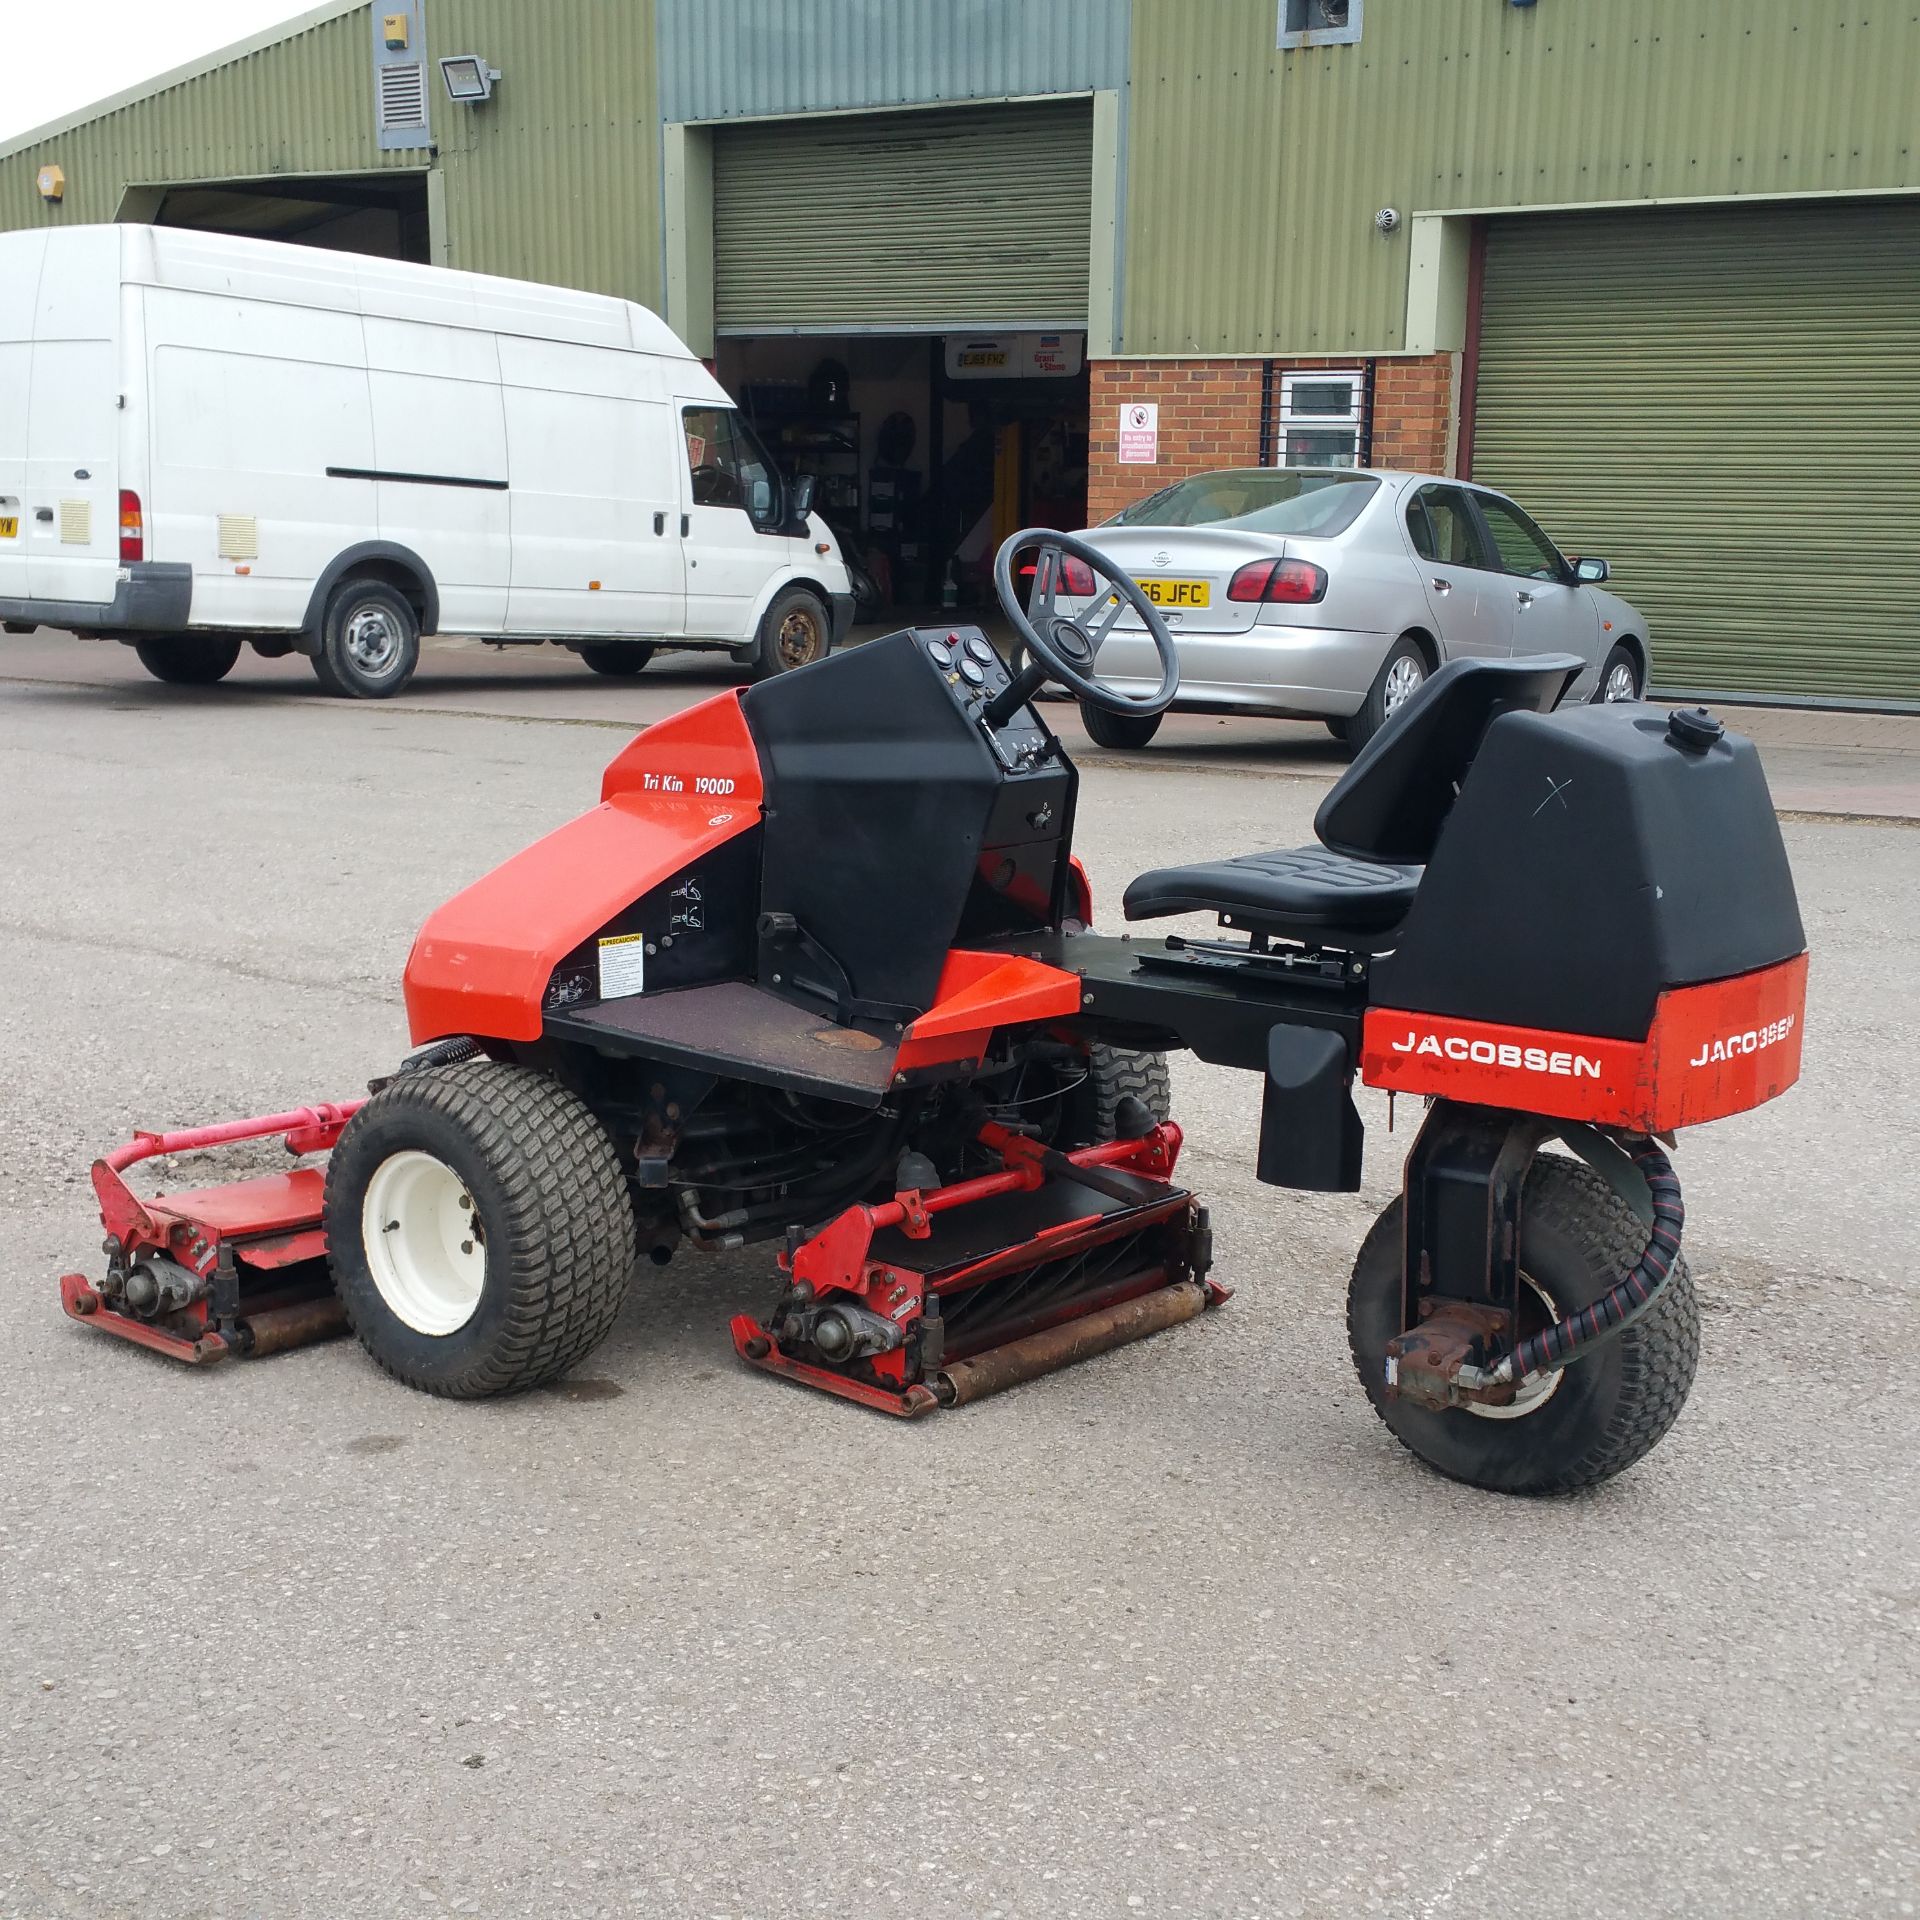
730 467
1257 500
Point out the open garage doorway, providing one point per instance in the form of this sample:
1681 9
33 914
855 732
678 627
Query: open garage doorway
929 449
383 214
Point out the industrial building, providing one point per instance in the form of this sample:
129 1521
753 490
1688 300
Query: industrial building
1652 266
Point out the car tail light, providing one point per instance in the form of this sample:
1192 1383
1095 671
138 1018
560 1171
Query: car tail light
133 527
1296 583
1076 577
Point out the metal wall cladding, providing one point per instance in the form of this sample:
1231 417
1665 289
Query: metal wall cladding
557 178
1254 175
301 105
1726 405
938 220
726 59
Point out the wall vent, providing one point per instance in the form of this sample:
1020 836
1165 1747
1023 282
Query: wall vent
401 95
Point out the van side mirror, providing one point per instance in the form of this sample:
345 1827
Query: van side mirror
800 492
1592 573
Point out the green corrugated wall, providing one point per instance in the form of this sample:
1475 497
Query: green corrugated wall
556 179
1254 175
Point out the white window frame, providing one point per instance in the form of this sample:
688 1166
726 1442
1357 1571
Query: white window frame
1355 418
1346 36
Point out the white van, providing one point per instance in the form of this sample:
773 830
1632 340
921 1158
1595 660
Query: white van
207 441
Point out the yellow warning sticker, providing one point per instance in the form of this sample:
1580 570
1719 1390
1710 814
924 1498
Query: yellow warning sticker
623 965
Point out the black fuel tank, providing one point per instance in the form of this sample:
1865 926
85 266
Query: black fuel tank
1592 860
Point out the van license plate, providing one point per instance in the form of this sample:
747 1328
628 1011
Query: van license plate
1174 593
10 528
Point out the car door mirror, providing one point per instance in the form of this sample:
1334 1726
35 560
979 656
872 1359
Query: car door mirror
1592 573
800 492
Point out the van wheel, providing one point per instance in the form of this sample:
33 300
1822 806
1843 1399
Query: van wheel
794 633
619 659
369 643
186 660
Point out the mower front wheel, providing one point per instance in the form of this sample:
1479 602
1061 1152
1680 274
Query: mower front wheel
479 1228
1568 1428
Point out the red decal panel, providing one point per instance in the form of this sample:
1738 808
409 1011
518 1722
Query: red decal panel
482 962
1712 1050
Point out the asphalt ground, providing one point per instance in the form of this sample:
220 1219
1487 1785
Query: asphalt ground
1181 1631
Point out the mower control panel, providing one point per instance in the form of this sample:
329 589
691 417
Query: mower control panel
973 672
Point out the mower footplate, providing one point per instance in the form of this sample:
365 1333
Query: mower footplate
940 1298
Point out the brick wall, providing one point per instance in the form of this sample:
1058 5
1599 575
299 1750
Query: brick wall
1210 417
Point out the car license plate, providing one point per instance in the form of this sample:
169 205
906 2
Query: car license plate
9 528
1174 593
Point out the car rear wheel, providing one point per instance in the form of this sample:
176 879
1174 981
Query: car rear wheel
1120 732
1619 677
187 660
1402 674
618 659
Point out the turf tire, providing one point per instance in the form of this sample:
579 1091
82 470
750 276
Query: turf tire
1112 1074
1577 1237
547 1185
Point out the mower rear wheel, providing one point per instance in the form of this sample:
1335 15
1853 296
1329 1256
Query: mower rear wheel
1112 1074
1594 1418
480 1229
1118 732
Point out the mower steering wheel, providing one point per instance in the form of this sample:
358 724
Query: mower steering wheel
1067 644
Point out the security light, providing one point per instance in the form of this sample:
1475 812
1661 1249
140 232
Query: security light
469 79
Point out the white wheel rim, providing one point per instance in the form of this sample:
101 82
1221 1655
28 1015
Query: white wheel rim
1620 683
1536 1389
1403 680
425 1245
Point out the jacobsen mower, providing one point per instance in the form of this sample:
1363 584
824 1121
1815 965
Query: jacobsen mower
817 972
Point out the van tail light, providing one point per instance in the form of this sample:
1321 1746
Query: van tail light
133 527
1294 583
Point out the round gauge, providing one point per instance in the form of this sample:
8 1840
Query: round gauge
979 649
974 674
941 655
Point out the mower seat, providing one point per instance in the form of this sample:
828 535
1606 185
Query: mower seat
1305 893
1379 824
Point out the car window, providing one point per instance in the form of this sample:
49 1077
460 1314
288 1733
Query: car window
1441 526
729 467
1522 547
1257 500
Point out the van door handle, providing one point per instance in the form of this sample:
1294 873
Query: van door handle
1442 586
659 523
686 525
44 515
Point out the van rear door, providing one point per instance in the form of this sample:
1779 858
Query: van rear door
71 499
21 257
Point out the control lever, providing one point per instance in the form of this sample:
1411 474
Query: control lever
1014 695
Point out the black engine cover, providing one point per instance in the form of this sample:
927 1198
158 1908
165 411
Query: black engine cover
1589 863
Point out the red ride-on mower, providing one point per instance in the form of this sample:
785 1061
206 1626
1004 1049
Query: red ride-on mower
816 973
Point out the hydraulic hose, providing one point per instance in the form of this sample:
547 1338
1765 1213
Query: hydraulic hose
1628 1299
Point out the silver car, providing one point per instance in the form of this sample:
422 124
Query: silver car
1331 594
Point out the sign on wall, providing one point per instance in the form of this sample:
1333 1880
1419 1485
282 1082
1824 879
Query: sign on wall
1140 433
1015 356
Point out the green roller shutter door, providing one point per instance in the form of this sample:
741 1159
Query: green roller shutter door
904 222
1726 405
